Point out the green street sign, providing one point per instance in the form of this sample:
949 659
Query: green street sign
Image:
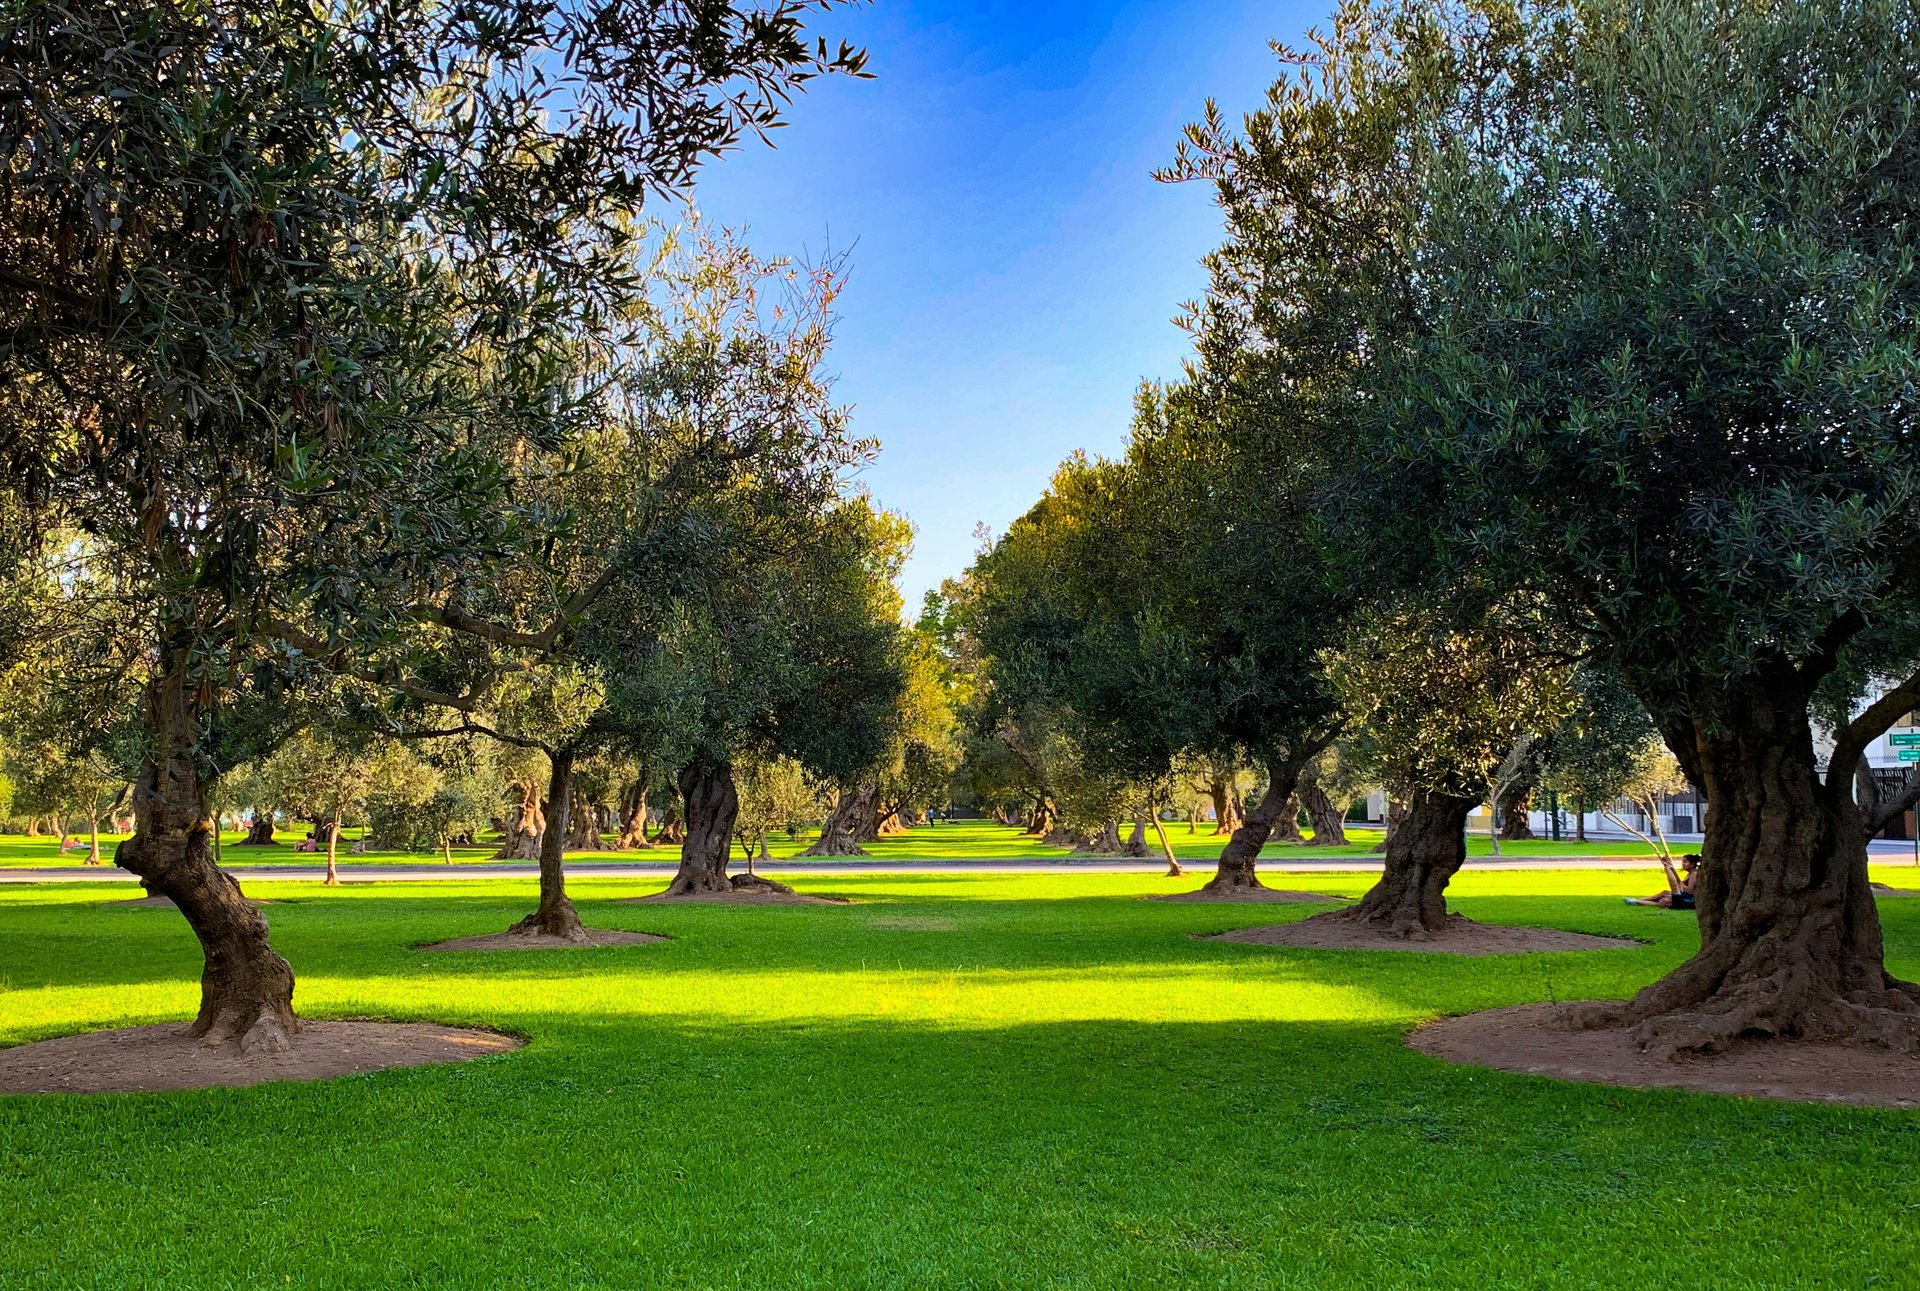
1907 755
1904 739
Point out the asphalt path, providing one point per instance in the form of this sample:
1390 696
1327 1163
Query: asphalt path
1885 852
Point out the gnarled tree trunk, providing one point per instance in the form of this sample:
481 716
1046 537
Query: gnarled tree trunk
246 990
555 915
840 832
260 833
1789 935
1287 828
633 816
1514 810
1227 813
1240 857
583 828
1424 851
712 808
1040 822
525 827
1137 840
1329 822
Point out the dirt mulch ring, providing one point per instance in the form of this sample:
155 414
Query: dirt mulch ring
1462 937
592 938
166 903
1882 890
149 1059
1248 896
1535 1040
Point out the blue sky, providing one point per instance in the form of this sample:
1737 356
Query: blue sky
1014 268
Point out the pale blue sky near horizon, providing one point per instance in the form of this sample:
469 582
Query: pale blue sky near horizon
1014 268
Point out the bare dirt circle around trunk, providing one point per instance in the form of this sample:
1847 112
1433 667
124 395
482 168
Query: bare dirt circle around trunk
589 939
1462 936
161 1058
1882 890
1248 896
1537 1040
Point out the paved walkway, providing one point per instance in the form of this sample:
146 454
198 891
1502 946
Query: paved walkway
427 872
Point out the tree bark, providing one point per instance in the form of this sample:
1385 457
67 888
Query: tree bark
583 831
260 833
525 829
1287 828
1238 860
1514 824
839 832
1173 862
332 827
555 915
1396 813
633 816
93 841
1226 807
1137 840
1329 822
712 808
1424 851
246 990
1790 940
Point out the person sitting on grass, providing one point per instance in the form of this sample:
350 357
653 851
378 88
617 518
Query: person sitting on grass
1679 893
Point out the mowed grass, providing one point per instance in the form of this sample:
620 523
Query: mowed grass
961 1081
970 840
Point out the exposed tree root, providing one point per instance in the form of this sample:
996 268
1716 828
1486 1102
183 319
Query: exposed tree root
1786 1004
558 920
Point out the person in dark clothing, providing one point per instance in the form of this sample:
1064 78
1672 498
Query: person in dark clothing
1679 893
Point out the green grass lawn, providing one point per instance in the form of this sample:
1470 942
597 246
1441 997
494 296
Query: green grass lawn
964 840
963 1081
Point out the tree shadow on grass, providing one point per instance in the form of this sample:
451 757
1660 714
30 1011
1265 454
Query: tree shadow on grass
856 1152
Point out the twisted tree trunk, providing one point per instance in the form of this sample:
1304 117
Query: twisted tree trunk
1137 840
260 833
1287 828
839 833
525 827
633 816
246 990
1240 857
712 808
1424 851
1790 939
1226 808
583 827
1329 822
1514 812
555 915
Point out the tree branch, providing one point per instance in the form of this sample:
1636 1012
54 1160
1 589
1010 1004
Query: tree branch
1879 717
1888 810
330 659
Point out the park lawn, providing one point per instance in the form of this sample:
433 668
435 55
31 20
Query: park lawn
997 1081
962 840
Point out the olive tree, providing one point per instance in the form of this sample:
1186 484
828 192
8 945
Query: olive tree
1667 264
